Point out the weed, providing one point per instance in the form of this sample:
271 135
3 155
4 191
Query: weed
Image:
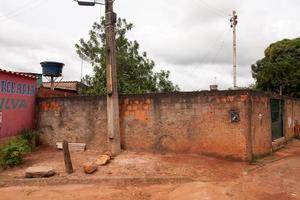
11 154
30 136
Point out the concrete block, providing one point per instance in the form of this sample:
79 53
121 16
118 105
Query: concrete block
72 146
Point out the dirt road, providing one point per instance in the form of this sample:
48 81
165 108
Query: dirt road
275 177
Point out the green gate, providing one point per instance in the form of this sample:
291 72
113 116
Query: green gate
277 107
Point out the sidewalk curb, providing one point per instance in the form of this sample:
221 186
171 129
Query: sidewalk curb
106 181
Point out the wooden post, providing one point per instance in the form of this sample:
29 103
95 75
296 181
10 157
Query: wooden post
113 129
67 157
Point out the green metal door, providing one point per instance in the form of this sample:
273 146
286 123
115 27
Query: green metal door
276 115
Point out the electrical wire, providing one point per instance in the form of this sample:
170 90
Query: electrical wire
221 12
223 15
211 8
221 45
29 5
218 51
25 4
214 43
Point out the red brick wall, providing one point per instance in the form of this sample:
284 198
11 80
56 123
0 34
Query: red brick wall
291 118
197 122
76 119
288 119
296 115
186 123
260 125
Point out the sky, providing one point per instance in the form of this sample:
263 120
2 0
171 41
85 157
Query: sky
190 38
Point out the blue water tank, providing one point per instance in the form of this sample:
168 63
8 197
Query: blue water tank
53 69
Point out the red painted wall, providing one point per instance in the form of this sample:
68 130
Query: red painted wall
17 103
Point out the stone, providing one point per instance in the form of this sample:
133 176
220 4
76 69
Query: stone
279 143
109 154
77 147
102 160
89 167
39 172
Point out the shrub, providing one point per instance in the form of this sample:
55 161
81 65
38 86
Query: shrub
13 151
11 154
30 136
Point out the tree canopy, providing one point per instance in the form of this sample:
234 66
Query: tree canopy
280 68
135 69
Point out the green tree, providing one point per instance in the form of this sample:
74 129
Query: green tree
135 70
280 68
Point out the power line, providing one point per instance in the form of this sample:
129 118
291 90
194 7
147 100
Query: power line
212 9
29 5
25 4
214 43
218 51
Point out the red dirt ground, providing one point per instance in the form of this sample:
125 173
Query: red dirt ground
275 177
130 164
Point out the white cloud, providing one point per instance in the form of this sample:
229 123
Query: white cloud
191 38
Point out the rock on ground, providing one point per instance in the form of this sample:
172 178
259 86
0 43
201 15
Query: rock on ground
89 167
39 172
102 160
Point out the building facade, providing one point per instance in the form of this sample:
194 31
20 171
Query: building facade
17 102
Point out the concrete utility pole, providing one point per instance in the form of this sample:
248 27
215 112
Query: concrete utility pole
113 128
113 125
234 22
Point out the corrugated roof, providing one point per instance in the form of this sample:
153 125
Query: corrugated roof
64 85
18 73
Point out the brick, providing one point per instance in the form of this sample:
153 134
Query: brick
90 167
129 107
244 97
146 107
126 101
134 107
126 113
